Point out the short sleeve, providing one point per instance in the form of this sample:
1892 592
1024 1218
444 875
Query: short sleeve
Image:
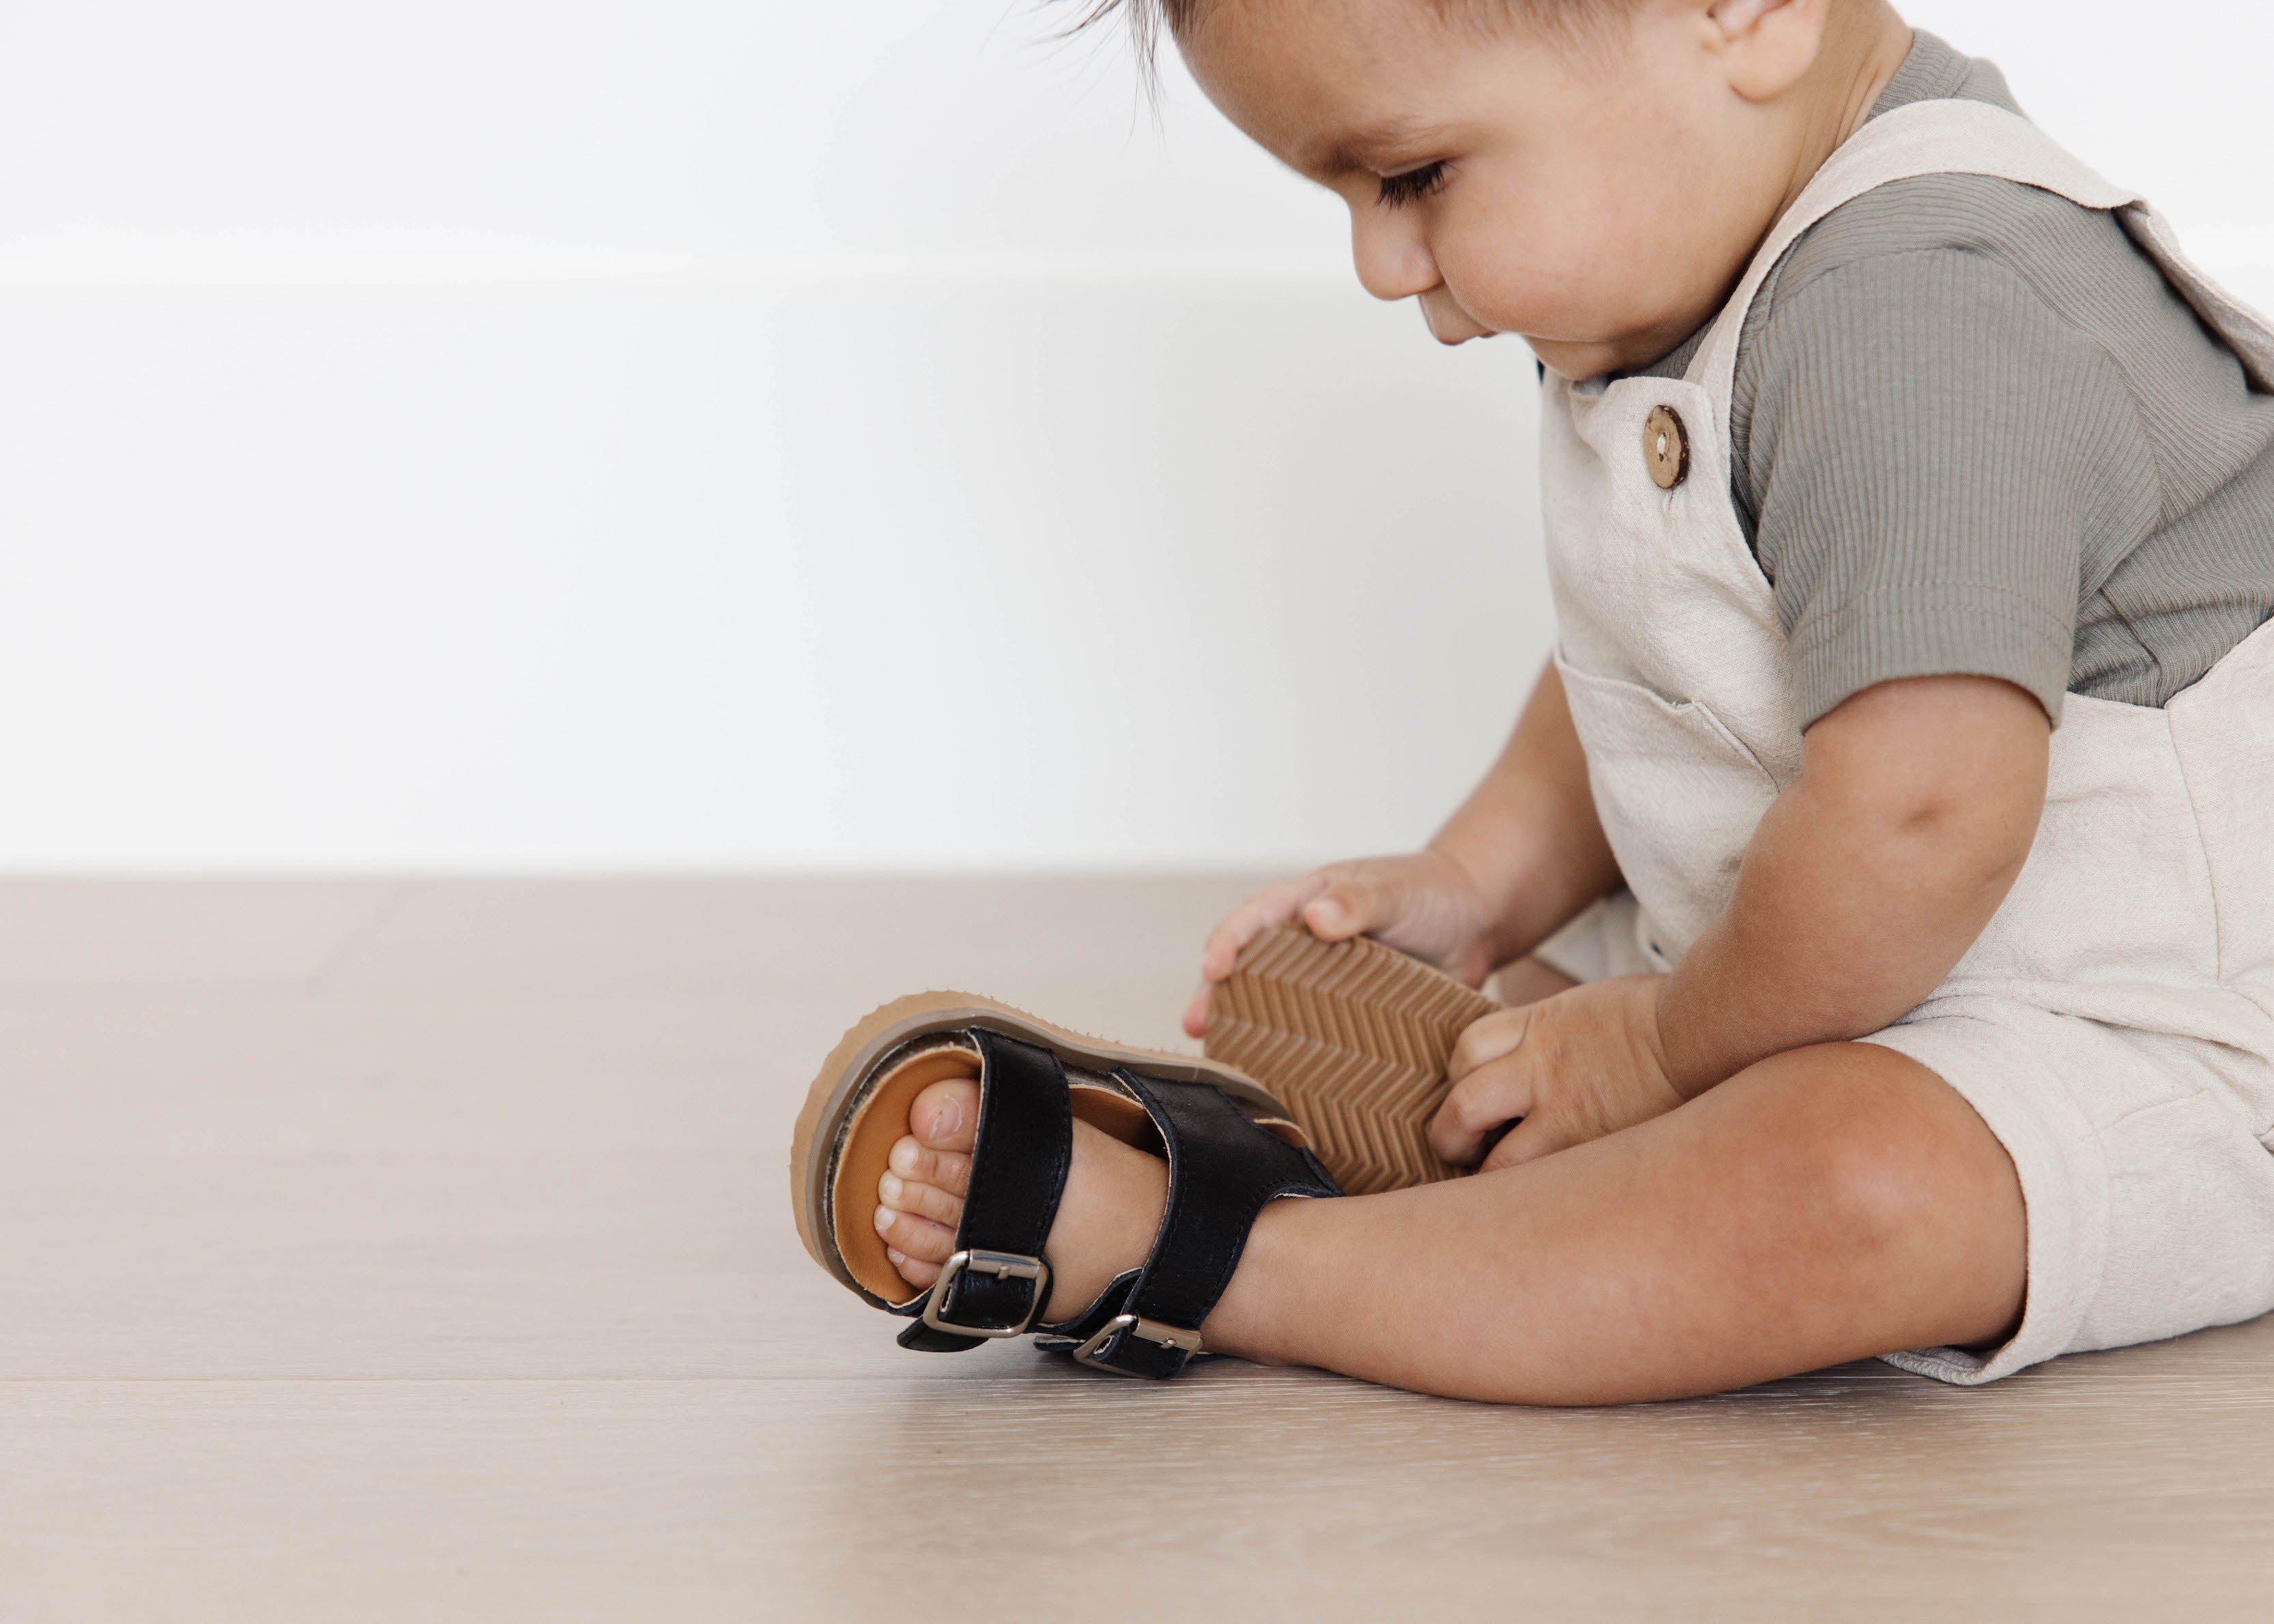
1933 451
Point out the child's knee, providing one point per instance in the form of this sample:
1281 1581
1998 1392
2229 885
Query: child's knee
1891 1157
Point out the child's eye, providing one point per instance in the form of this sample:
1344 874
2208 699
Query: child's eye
1413 185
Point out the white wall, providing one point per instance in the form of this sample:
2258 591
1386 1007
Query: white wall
702 433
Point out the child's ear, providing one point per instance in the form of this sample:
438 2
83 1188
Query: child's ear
1767 46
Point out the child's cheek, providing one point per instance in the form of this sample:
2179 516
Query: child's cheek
1530 247
1504 281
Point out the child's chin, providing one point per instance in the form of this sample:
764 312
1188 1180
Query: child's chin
1451 326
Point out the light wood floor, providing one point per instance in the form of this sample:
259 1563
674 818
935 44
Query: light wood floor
390 1250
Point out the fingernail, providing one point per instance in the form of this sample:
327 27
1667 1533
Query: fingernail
884 1216
1326 912
889 1187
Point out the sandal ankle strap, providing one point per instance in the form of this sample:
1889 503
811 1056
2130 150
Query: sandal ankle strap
1223 1170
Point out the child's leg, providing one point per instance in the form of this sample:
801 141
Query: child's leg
1826 1205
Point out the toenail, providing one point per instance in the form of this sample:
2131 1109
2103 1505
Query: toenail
889 1187
903 1156
884 1216
946 1118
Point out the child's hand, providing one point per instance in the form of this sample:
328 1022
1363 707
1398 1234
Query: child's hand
1423 904
1574 1067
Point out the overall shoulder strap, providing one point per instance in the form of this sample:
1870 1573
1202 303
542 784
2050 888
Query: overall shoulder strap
1925 138
2249 334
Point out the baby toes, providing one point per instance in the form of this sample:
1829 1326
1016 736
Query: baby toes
920 1164
946 1116
919 1239
920 1195
917 1274
909 1195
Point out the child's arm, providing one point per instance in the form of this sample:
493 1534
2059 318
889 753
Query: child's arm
1522 855
1868 879
1527 836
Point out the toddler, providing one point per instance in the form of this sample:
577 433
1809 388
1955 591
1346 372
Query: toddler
1880 872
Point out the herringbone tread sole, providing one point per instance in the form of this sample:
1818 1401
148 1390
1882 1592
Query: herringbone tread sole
1352 1037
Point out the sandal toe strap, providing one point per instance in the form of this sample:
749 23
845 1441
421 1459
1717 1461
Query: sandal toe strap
996 1283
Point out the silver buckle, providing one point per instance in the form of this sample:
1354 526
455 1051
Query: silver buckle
1003 1265
1152 1331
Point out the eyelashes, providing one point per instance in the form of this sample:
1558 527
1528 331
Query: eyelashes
1412 186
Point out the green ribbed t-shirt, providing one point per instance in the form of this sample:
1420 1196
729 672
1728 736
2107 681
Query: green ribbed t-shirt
1974 431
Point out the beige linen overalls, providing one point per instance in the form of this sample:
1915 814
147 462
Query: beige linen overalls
2114 1024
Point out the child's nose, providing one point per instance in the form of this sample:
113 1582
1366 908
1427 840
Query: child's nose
1393 257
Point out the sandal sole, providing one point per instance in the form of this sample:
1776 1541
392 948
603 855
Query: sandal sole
1354 1037
858 1063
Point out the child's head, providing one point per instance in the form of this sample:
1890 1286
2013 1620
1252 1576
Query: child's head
1590 173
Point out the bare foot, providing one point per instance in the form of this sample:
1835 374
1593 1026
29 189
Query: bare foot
1114 1195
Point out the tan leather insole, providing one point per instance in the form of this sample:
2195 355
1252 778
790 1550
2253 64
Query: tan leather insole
875 1125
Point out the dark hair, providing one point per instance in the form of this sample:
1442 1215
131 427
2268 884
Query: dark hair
1574 20
1147 19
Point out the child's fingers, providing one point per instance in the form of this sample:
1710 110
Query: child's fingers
1338 915
1351 905
1486 1039
1536 1136
1480 1105
1196 1012
1275 906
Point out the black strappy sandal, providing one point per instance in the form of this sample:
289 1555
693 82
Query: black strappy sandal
1231 1147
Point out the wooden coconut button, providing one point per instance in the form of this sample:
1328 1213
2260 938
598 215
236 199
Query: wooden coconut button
1665 447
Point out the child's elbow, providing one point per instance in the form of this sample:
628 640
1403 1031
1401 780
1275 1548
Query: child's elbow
1975 833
